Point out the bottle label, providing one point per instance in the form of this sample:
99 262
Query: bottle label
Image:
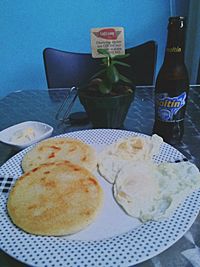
168 109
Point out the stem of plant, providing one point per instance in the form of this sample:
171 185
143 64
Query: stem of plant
108 61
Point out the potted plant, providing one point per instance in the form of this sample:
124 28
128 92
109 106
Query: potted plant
108 95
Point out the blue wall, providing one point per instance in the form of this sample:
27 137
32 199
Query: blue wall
27 27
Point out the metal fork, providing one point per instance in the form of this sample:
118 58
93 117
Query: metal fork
68 104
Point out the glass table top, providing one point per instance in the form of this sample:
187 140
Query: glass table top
42 105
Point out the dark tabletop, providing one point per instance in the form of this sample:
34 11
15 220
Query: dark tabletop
42 105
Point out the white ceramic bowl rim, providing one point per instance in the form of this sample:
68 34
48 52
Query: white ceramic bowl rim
41 129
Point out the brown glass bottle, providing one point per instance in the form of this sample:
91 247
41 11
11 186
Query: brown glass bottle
172 86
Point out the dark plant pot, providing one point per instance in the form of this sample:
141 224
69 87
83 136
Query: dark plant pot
106 111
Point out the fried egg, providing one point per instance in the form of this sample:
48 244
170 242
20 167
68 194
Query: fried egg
126 150
152 192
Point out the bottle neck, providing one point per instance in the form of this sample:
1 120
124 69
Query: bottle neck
175 48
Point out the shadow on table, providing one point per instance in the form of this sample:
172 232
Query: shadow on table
7 261
7 153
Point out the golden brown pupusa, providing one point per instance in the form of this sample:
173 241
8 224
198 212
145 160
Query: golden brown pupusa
56 198
54 149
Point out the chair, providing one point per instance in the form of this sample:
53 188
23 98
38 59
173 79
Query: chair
67 69
142 60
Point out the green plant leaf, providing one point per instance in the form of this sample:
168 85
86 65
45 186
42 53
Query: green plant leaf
105 88
103 52
121 56
104 60
124 79
112 74
120 63
98 74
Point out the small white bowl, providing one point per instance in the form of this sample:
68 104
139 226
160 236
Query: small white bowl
25 134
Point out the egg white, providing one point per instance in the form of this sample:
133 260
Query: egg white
152 192
117 155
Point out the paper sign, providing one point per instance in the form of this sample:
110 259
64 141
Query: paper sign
111 39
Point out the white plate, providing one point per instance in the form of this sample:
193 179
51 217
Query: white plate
41 131
114 239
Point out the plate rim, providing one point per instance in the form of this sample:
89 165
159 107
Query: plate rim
111 239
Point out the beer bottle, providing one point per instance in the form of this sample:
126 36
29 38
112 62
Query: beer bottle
172 85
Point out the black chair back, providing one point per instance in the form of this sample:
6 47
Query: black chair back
67 69
142 60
